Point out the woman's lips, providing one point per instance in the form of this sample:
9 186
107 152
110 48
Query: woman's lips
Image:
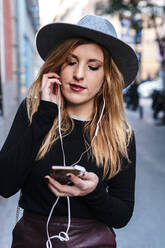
76 87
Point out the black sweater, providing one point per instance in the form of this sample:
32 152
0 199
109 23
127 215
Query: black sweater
111 202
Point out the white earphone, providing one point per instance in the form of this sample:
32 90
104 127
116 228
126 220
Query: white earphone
63 236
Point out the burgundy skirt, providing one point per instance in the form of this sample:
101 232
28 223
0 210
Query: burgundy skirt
30 232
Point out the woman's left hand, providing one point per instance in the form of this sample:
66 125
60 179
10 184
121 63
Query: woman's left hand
82 185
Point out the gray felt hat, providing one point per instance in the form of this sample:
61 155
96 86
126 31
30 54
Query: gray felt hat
97 29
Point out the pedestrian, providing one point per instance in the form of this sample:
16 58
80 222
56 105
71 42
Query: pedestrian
132 97
73 116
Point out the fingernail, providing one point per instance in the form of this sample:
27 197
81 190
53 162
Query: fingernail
46 180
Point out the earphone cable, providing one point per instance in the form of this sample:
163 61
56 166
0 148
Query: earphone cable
63 236
96 131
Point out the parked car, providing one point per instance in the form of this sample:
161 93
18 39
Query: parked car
146 88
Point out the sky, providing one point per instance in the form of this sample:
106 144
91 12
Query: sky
48 10
51 8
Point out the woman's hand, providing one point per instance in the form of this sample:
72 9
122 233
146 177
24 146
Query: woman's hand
82 185
49 87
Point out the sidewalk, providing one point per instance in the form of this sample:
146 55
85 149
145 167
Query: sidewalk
147 113
146 227
8 209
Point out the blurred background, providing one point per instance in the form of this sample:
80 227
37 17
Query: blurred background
139 23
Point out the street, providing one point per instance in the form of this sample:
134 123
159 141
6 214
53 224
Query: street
146 228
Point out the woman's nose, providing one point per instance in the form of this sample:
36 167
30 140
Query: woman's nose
79 73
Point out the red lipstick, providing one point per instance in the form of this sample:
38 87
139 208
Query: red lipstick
76 87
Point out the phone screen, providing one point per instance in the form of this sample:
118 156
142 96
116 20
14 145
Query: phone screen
59 173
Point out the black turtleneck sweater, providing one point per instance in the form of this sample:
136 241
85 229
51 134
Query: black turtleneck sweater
111 202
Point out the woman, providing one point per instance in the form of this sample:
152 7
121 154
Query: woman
73 114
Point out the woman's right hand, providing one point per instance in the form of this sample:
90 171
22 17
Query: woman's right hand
49 87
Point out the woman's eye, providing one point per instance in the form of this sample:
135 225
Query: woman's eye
94 68
69 62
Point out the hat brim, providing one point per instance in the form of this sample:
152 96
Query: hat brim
124 56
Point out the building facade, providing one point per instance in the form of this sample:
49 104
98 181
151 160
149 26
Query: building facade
19 22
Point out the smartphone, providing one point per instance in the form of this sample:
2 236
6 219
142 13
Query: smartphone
59 173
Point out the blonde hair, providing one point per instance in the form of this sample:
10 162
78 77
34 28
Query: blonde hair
114 133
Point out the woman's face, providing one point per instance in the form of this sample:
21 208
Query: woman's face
82 75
